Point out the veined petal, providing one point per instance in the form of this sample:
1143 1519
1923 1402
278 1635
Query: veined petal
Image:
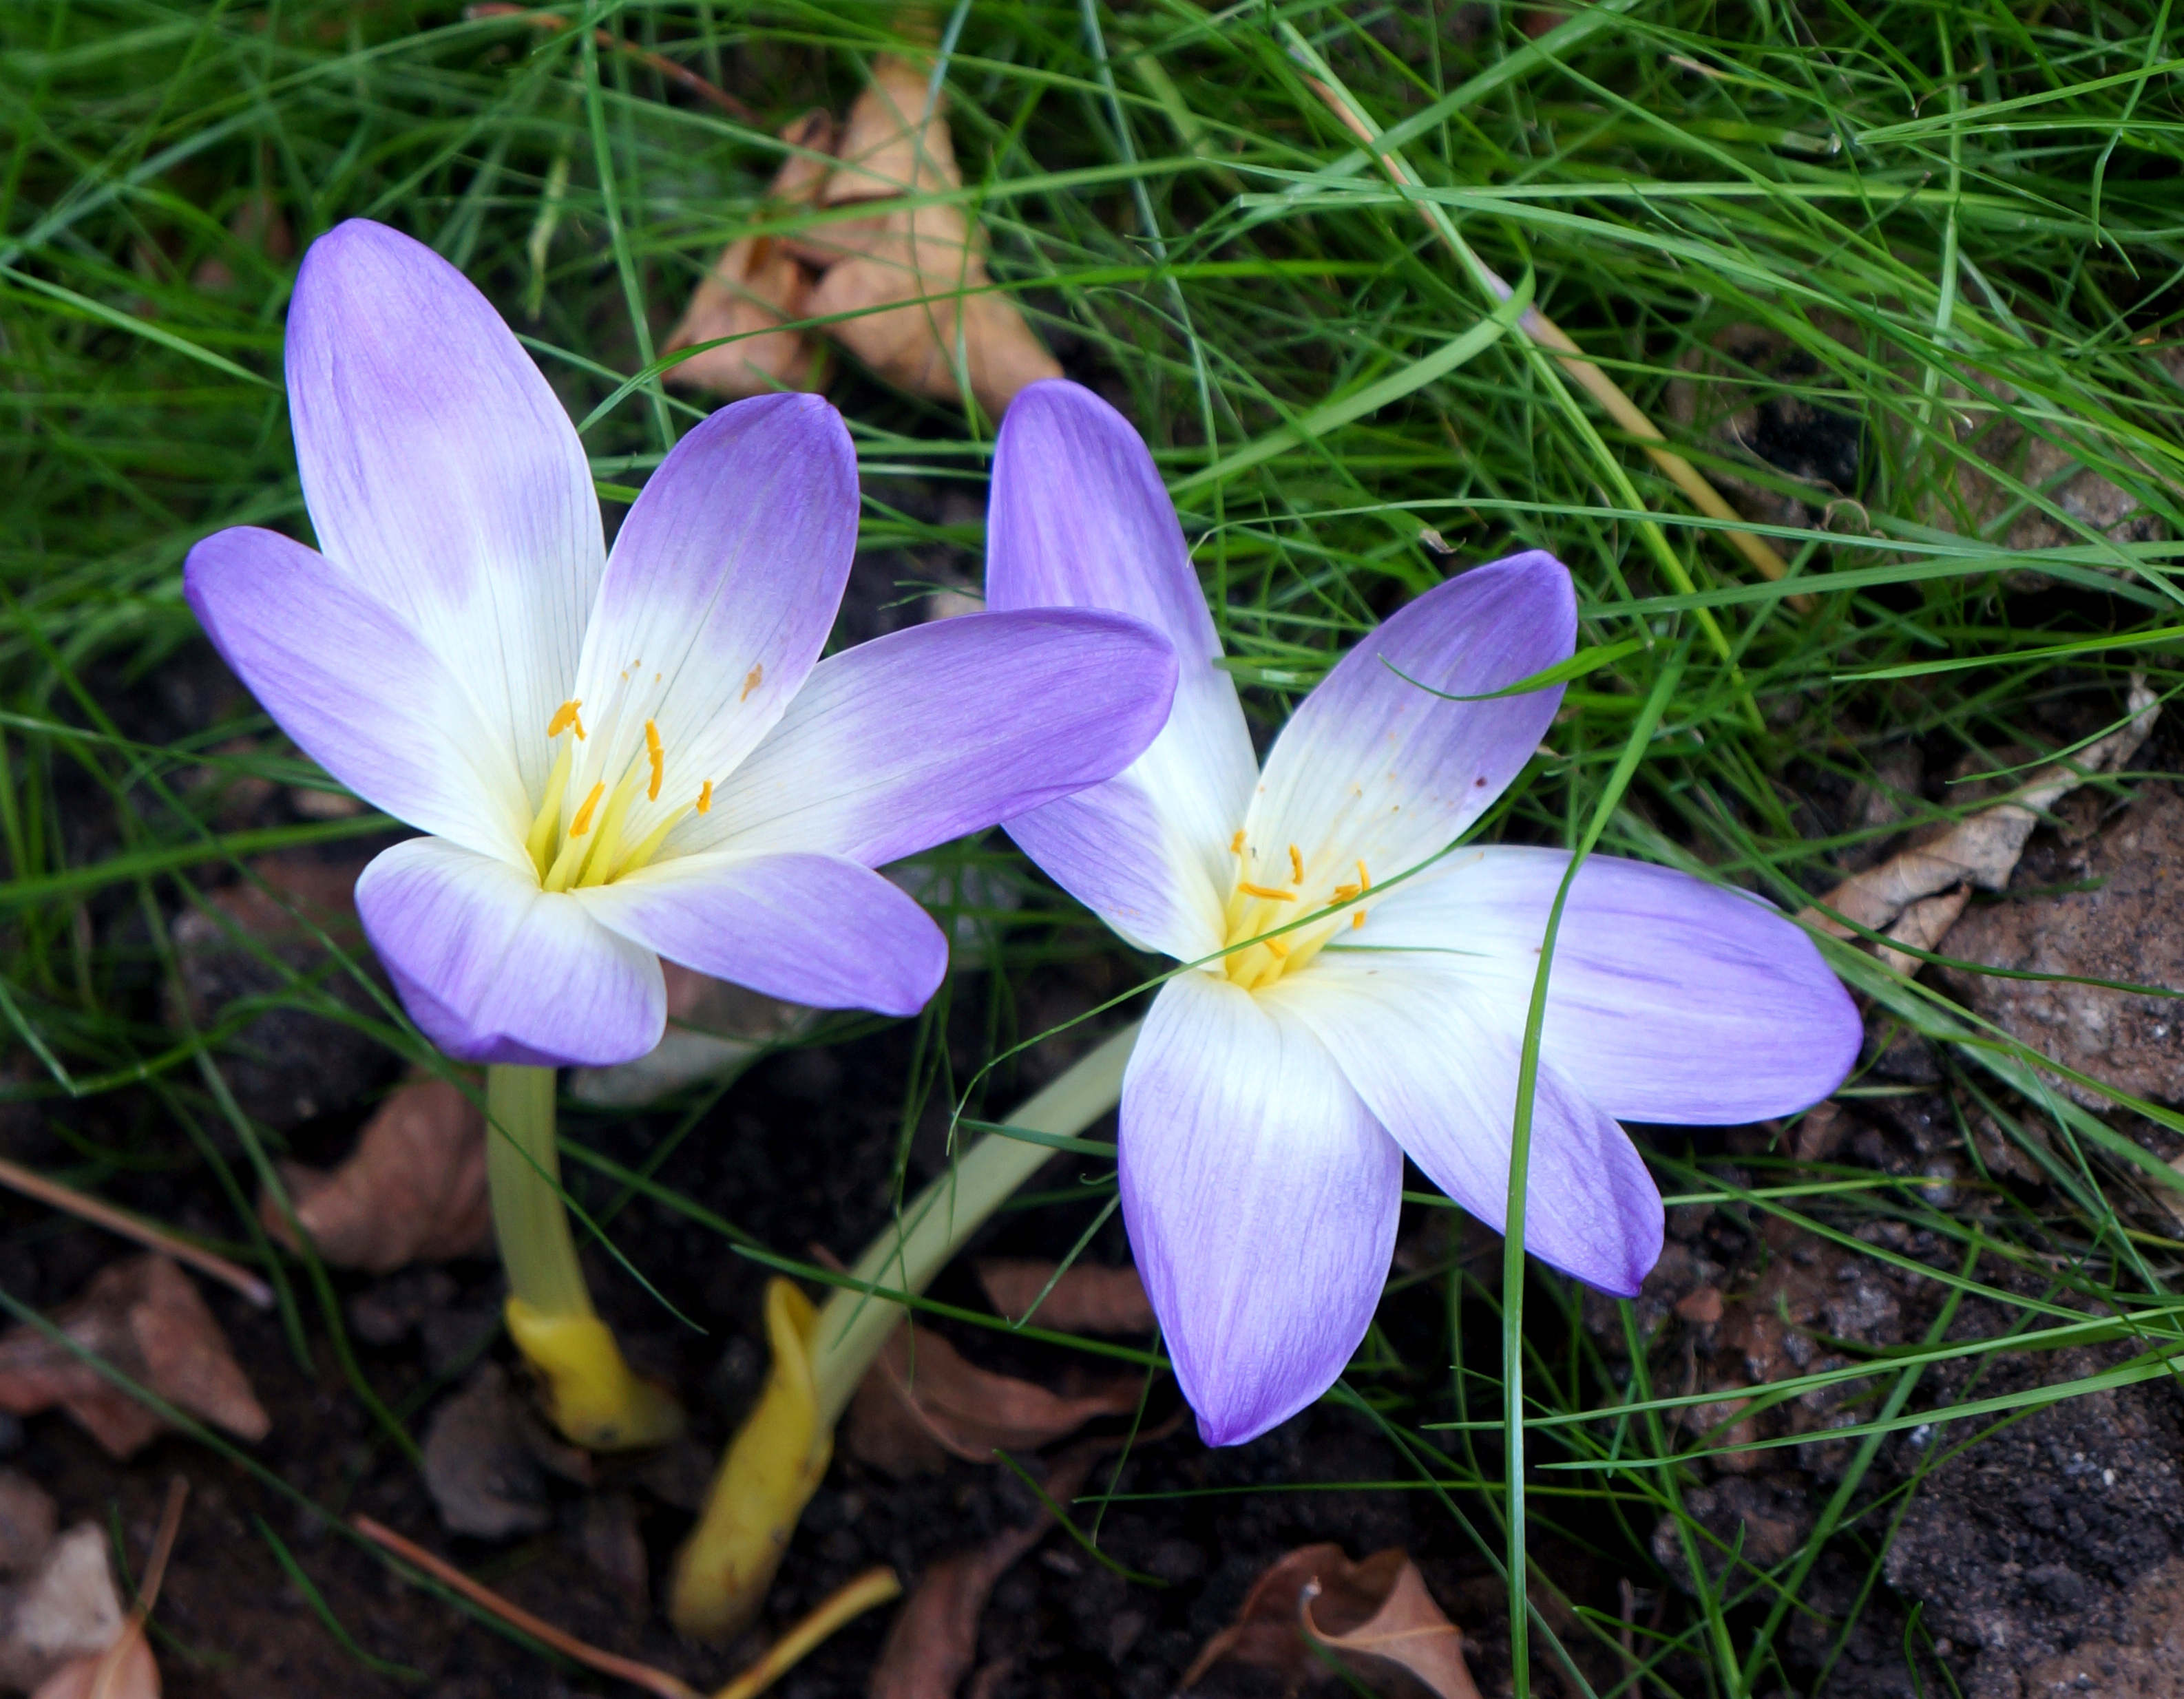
1079 518
355 688
925 734
820 930
722 586
1261 1199
494 970
1669 998
1372 768
442 477
1439 1072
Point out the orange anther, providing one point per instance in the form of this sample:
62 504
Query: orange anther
1236 843
1364 878
582 822
705 799
564 717
652 739
1344 893
1266 891
1357 920
1296 866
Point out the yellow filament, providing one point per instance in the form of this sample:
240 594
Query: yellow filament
564 717
582 822
1296 866
752 681
540 841
1266 891
705 799
599 867
650 845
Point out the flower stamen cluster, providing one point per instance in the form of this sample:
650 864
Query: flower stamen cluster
574 857
1262 941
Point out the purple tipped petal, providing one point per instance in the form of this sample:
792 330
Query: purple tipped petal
1439 1070
1261 1198
494 970
928 733
1669 998
354 687
1079 518
814 929
442 477
721 588
1375 769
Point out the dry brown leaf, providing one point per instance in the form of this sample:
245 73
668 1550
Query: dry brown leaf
1373 1614
933 1640
1983 848
126 1670
908 274
414 1190
1090 1297
145 1317
68 1609
922 1400
486 1459
758 284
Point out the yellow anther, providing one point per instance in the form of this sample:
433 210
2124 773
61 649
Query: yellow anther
1357 920
564 717
1236 843
1296 866
1266 891
705 799
1364 878
657 757
582 822
1276 945
1344 893
752 680
652 739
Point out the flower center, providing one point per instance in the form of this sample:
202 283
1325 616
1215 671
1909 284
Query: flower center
1260 950
597 843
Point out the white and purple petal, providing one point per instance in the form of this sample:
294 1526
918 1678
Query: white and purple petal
1437 1065
1669 998
1374 766
820 930
925 734
443 477
494 970
722 586
1079 518
355 688
1260 1197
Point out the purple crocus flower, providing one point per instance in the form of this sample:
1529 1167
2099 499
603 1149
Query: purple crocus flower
1276 1089
626 756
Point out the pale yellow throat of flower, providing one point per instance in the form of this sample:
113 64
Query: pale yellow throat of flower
595 849
1265 940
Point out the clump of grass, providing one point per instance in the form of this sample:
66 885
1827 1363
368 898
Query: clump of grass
1939 213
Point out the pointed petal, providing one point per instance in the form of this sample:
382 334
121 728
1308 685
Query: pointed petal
355 688
820 930
1658 980
724 584
494 970
925 734
1079 518
1372 768
442 477
1261 1198
1439 1072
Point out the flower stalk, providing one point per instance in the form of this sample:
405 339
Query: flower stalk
591 1395
779 1456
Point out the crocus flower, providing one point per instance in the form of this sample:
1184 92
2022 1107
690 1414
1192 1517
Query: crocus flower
1276 1087
622 757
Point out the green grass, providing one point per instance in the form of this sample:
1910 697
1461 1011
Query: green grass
1948 206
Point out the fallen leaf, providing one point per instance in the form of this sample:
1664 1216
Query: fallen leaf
921 1402
145 1317
1982 848
68 1608
933 1640
414 1190
1090 1297
915 278
126 1670
757 285
486 1460
28 1519
1372 1613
